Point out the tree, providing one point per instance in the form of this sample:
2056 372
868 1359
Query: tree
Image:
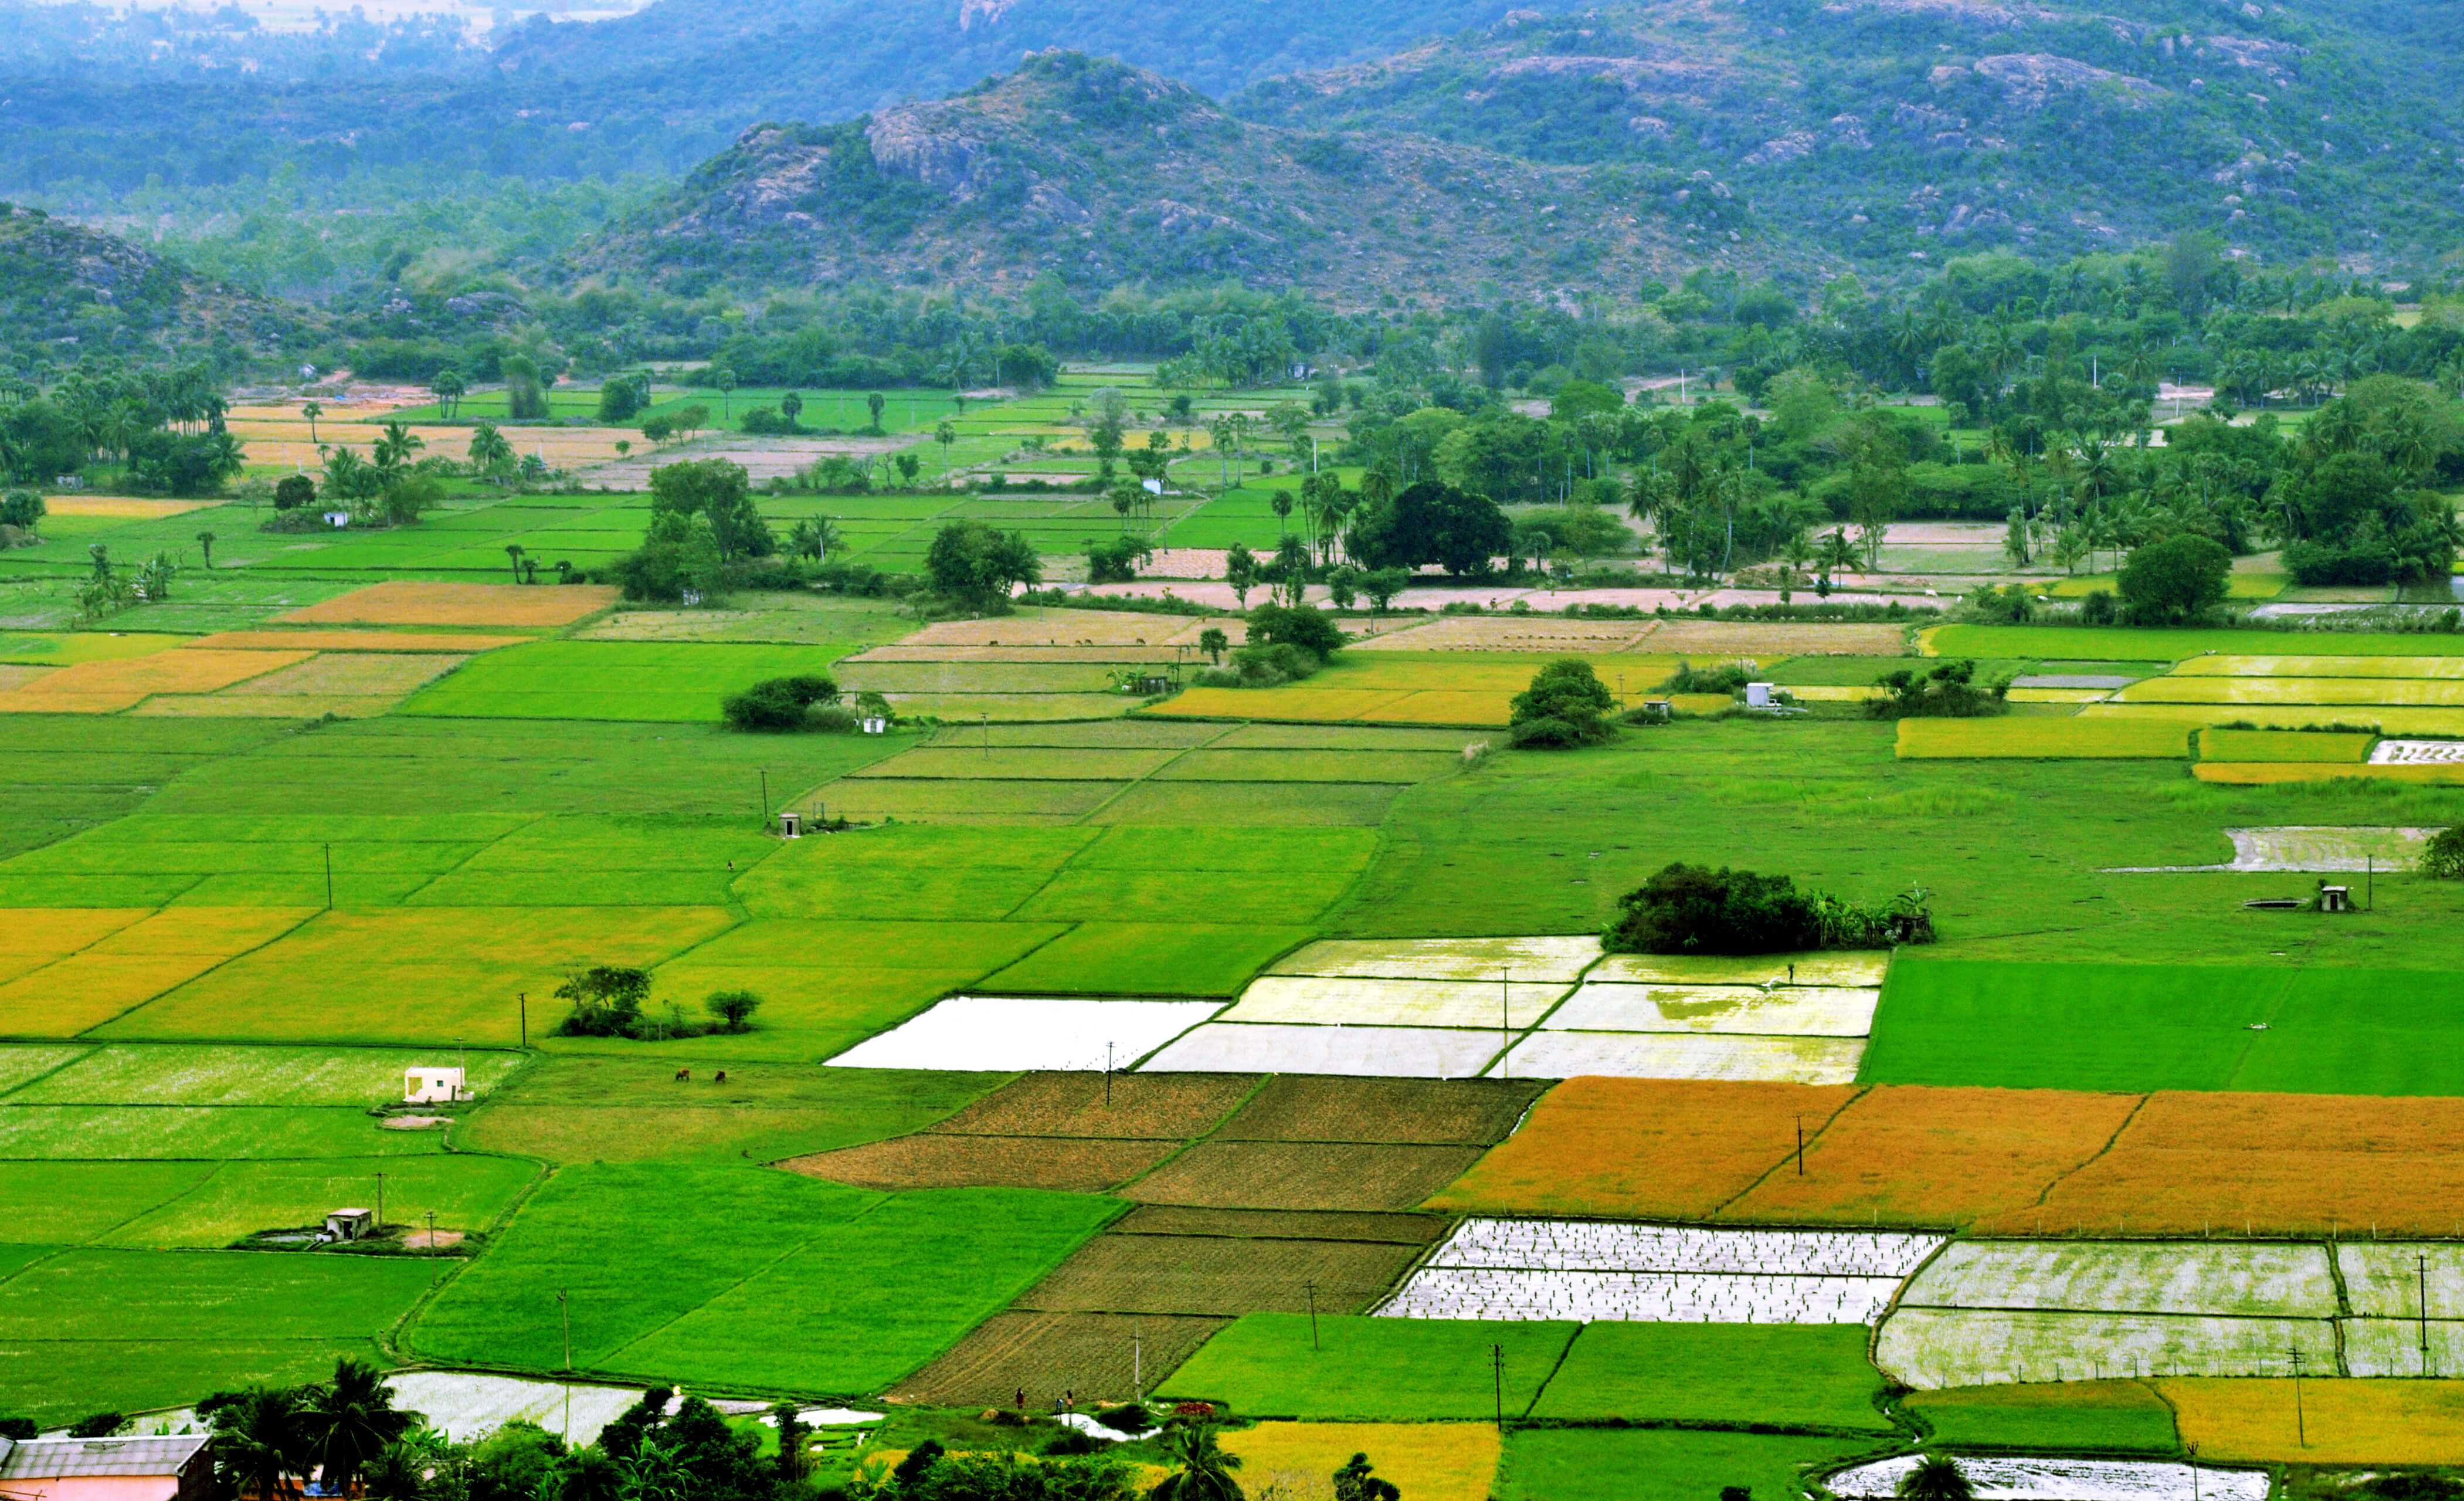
1203 1470
606 1000
450 388
1432 523
725 381
1356 1482
349 1420
312 410
22 509
2177 580
873 403
1281 506
525 396
945 432
974 562
1567 705
1311 631
1382 584
720 490
490 452
792 408
1692 909
1240 571
678 556
514 551
779 703
259 1439
733 1011
205 544
2443 857
1116 559
1214 643
1936 1478
620 399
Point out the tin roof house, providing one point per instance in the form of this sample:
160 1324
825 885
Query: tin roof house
166 1469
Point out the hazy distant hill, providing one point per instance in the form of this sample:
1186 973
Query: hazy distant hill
1877 126
66 290
1103 174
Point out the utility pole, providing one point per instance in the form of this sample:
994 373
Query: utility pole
1800 1146
329 877
1504 1020
1311 1288
1497 1376
1108 1076
380 1200
565 1315
1137 1367
764 773
522 999
2421 1271
2301 1424
432 1229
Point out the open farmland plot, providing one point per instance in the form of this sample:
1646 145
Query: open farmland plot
1661 1463
1559 960
2102 1416
464 1193
854 1288
1437 1462
1103 1358
109 685
1928 1347
1118 958
133 1329
1632 1147
1781 1376
202 1133
1420 1052
1911 1154
1136 1107
1468 1112
2339 1423
928 1160
1219 1276
416 604
664 681
2289 1281
1331 1001
1685 1056
354 683
123 970
2043 739
1356 1369
180 1075
1280 1175
569 1109
1804 1011
465 1405
2030 1479
1648 1273
991 1032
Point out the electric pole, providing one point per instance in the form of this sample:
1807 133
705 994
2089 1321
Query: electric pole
1497 1376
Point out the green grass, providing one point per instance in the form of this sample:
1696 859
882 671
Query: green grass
2153 1026
2103 1417
670 682
2283 745
96 1329
1183 958
194 1075
1806 1375
462 1192
1658 1464
2035 737
1370 1369
199 1132
60 774
69 1204
618 1109
762 1279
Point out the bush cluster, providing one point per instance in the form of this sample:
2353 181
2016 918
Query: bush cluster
786 703
1567 705
1949 692
612 1000
1693 909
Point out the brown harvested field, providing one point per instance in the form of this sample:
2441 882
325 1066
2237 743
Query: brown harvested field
1276 1224
406 602
1642 1148
454 642
1770 640
1916 1155
1099 1356
2309 1164
1143 1106
1298 1175
1219 1275
930 1160
1455 1112
909 652
1513 633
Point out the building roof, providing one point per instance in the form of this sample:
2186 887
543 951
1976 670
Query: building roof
59 1459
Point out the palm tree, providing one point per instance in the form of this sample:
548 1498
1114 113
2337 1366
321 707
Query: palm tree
205 541
312 410
514 551
1204 1471
400 1473
259 1437
347 1421
1936 1478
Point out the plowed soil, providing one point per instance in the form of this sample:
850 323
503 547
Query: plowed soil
1295 1175
1219 1275
1075 1165
1143 1106
1101 1357
1455 1112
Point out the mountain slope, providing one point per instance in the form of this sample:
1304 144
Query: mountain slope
67 290
1882 125
1103 174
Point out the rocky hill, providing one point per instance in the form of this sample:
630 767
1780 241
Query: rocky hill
1878 127
1103 174
65 290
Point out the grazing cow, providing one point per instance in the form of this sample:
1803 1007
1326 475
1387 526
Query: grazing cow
720 1078
683 1074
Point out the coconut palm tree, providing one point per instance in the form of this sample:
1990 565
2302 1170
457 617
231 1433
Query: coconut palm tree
258 1439
205 541
349 1420
1203 1470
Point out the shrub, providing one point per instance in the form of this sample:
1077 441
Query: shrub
2444 856
732 1010
1567 705
18 1429
1949 692
22 509
606 1000
2097 609
770 422
97 1425
1728 677
1265 665
294 493
1312 630
1117 559
779 703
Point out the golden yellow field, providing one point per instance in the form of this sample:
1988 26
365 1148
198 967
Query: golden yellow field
1425 1460
108 686
2369 1422
283 441
2042 739
2267 773
401 603
2388 719
2242 692
120 507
